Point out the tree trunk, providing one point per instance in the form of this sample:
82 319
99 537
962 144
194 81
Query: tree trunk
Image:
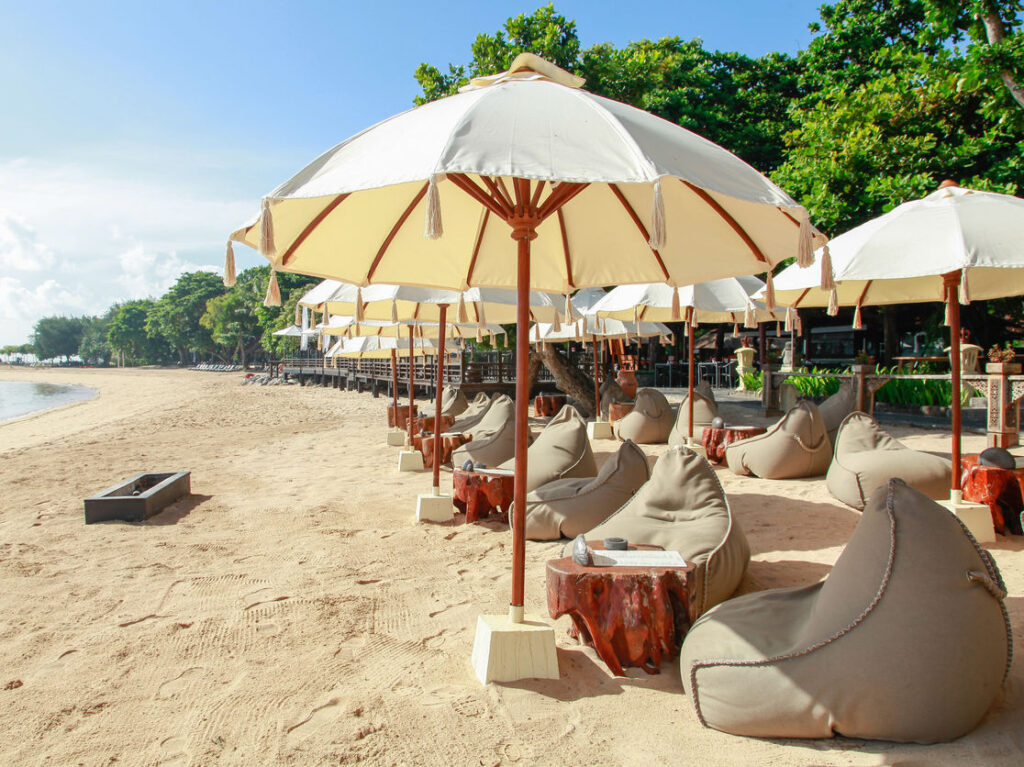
995 31
568 378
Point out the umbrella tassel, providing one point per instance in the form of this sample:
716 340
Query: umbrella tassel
748 316
480 318
359 306
828 281
432 226
799 323
394 310
229 265
769 291
556 325
858 323
463 316
789 318
736 330
676 315
266 239
805 246
568 312
273 297
778 329
965 293
833 303
657 238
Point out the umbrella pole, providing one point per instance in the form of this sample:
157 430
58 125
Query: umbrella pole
394 380
952 285
522 237
412 389
597 380
689 397
437 403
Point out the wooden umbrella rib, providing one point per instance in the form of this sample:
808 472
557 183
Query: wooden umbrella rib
476 246
727 217
536 195
317 220
559 197
801 298
639 224
565 250
498 194
863 293
506 195
466 185
394 231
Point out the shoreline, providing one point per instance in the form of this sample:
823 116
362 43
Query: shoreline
291 611
39 411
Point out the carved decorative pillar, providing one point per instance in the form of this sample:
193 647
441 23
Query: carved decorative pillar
1003 404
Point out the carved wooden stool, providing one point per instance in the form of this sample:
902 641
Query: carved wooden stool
397 420
548 404
426 423
425 444
1002 490
481 491
617 410
715 441
628 615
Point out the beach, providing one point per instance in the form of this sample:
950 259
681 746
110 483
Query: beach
291 612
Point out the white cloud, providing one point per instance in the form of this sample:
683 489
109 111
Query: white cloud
146 274
21 306
20 248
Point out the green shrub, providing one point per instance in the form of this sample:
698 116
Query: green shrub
752 381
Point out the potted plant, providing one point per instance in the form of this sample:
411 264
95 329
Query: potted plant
1002 360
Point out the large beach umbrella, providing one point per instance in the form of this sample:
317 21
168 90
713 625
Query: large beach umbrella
524 180
952 245
725 300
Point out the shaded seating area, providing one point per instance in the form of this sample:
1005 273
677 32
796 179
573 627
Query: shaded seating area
650 420
683 508
564 508
907 639
705 409
865 457
796 446
494 439
560 451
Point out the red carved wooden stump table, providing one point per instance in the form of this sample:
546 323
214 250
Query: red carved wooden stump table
548 404
715 441
425 444
1002 490
617 410
398 420
481 491
426 423
629 615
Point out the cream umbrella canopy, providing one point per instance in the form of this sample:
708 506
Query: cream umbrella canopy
724 300
592 192
953 245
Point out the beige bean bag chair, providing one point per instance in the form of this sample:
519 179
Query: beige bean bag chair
494 437
704 409
906 640
796 446
568 507
683 508
560 451
866 457
472 415
834 409
453 401
650 420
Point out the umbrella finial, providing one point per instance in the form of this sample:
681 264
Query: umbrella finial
657 238
432 226
273 297
266 239
948 183
805 247
229 265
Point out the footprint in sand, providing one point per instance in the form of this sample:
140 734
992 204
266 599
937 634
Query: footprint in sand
177 684
175 749
318 717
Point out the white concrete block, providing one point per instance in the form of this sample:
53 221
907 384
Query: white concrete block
504 651
434 508
976 517
600 430
410 460
396 438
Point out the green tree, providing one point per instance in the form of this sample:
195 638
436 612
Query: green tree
94 347
176 314
130 331
58 336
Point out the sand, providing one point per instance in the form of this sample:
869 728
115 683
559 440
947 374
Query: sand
291 612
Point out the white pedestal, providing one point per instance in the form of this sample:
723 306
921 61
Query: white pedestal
696 447
976 517
505 651
396 438
410 460
600 430
434 508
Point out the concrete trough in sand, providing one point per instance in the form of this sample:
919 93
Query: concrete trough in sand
137 498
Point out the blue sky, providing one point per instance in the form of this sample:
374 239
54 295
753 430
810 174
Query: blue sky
135 135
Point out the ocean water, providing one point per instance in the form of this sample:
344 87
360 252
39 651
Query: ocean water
18 398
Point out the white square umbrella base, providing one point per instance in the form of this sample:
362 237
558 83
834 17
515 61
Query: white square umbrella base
505 651
600 430
410 460
396 438
976 517
434 508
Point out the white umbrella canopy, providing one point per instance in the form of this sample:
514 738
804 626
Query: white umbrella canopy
315 296
584 299
295 331
592 191
590 327
381 347
338 325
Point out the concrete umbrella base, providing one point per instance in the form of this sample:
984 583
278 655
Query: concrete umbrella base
410 460
506 650
434 507
600 430
396 438
976 516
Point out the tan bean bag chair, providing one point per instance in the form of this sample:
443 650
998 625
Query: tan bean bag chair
796 446
560 451
906 640
568 507
866 457
650 420
834 409
494 437
704 409
683 508
472 415
453 401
